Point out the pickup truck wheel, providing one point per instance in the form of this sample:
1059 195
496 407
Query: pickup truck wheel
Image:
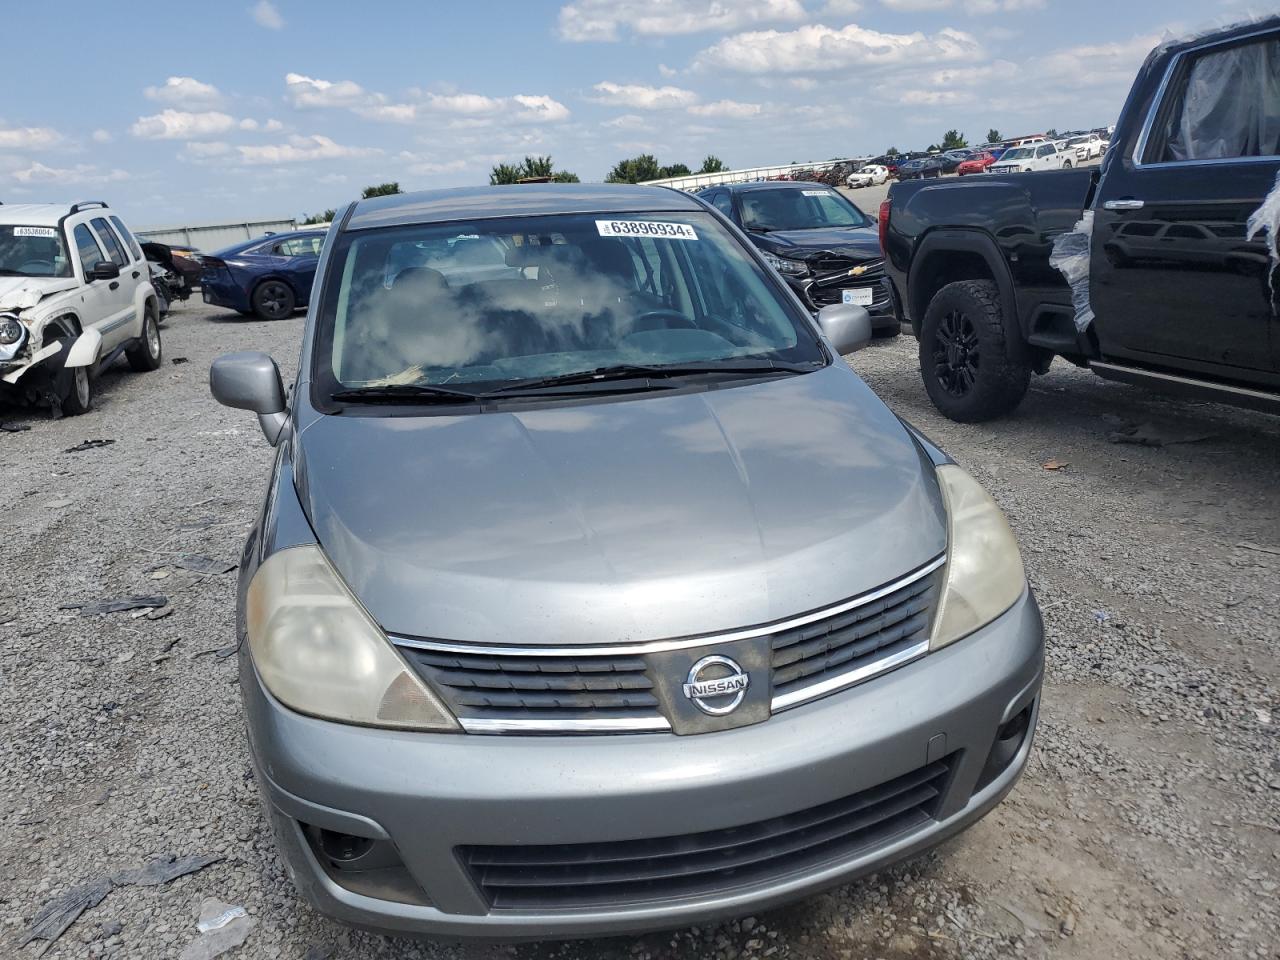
964 354
146 353
76 388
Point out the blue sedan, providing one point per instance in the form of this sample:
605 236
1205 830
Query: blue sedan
268 277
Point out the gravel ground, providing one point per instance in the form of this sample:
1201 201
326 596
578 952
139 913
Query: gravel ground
1148 824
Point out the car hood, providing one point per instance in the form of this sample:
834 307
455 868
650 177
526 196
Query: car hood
646 518
19 293
860 243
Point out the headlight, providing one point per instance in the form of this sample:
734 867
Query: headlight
10 331
984 575
789 268
318 652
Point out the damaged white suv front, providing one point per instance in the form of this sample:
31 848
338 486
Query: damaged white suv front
75 294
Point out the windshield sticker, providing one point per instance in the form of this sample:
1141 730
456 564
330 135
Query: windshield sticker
816 193
34 232
646 228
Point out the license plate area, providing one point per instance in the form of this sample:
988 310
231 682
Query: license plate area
858 296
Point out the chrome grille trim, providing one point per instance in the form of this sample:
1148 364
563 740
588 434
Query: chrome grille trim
866 671
660 646
491 725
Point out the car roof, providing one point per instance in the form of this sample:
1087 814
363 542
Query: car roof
36 214
771 185
515 200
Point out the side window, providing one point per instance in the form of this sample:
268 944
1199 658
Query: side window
723 202
128 237
1224 104
108 238
299 247
1044 151
87 248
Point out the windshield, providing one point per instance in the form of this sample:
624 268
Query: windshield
1076 141
493 301
805 209
27 251
1017 153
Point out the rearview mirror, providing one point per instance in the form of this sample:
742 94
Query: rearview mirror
847 326
105 270
251 381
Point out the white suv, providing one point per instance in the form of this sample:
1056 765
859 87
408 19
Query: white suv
1040 156
75 293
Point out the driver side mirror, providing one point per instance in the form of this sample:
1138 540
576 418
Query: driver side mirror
105 270
847 326
251 381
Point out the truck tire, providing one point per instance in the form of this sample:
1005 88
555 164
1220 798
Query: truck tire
969 370
75 386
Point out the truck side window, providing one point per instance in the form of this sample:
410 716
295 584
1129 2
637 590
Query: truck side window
87 247
1227 104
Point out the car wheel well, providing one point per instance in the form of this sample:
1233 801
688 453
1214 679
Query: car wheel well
941 267
68 325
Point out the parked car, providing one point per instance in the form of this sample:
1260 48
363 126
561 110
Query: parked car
268 277
978 163
608 598
1087 146
75 294
1041 156
820 242
872 175
921 168
951 159
1168 278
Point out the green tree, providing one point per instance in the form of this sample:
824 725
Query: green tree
530 168
324 216
1051 133
993 136
953 140
381 190
892 152
675 170
635 170
713 164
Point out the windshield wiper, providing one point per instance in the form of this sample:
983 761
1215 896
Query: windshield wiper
6 272
666 371
405 393
756 228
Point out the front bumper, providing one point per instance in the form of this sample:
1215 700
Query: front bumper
817 293
427 796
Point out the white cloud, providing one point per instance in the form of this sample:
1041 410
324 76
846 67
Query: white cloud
970 76
302 149
101 136
429 168
841 8
184 90
627 121
913 5
816 47
640 97
265 14
201 150
726 108
28 138
464 103
540 109
305 91
667 72
271 126
248 123
586 20
80 173
1094 65
180 125
931 97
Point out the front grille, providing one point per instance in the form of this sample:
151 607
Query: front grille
620 689
817 652
480 686
587 875
874 269
824 296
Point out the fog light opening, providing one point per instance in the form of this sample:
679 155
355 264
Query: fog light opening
1008 742
343 847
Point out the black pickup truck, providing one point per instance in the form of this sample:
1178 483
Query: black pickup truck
1158 267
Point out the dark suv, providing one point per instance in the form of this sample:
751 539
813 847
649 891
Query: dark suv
826 248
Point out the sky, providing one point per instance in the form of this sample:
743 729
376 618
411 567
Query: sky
286 107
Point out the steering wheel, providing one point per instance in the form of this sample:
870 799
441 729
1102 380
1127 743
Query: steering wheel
664 318
31 265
